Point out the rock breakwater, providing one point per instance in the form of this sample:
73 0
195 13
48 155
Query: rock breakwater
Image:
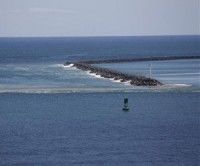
123 77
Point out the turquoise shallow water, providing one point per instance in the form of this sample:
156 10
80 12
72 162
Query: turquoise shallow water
91 129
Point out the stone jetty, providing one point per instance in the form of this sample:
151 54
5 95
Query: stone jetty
107 73
123 77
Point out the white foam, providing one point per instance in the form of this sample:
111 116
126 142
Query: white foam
68 66
120 81
94 75
117 81
111 79
182 85
98 76
63 66
127 82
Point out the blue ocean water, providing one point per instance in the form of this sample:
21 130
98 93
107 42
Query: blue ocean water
91 129
35 65
58 50
51 114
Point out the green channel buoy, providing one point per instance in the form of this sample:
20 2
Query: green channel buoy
125 108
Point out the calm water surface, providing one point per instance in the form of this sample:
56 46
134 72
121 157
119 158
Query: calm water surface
92 129
55 115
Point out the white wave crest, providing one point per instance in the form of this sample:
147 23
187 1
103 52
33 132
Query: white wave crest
70 65
111 79
117 81
94 75
63 66
66 67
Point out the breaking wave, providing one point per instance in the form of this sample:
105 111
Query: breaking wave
70 65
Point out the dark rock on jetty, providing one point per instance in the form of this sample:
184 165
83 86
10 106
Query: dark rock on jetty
134 79
107 73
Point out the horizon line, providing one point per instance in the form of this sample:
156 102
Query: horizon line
99 36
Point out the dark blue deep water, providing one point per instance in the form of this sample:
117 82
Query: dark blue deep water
58 50
91 129
53 115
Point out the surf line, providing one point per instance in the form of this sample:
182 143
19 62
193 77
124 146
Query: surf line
123 77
